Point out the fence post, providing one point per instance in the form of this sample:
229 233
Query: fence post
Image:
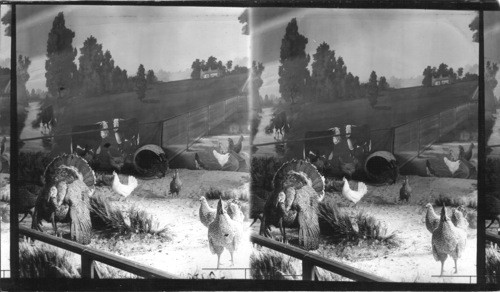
88 266
187 130
308 270
418 138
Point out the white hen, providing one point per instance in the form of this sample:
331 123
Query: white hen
354 196
221 158
122 189
452 165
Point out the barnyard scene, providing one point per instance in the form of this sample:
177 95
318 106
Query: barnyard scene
380 176
144 155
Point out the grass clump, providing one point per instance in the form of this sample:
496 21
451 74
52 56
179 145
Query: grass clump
271 265
40 260
492 265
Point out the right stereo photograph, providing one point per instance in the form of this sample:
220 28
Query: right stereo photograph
492 134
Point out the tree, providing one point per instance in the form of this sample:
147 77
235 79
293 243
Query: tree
140 83
151 78
91 67
293 72
323 65
373 89
23 64
474 26
382 83
229 65
211 64
61 71
108 64
460 72
256 77
428 74
196 66
442 70
6 20
243 19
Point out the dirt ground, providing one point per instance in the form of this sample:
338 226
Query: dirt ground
186 252
412 261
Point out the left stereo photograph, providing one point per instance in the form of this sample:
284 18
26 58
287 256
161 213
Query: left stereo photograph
133 141
5 55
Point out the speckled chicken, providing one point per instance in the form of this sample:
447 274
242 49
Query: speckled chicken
448 240
175 184
235 147
458 219
207 214
69 183
405 191
224 233
303 188
431 218
234 212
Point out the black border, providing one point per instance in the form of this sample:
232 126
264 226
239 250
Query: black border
240 285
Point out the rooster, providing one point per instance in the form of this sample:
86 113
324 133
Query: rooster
466 155
453 166
235 147
405 191
354 196
122 189
69 183
303 188
207 214
175 184
221 158
448 240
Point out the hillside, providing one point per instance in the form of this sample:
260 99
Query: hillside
163 100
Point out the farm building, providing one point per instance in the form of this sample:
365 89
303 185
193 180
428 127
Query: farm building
441 80
210 73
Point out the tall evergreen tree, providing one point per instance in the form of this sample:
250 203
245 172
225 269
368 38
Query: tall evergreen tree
108 64
61 71
293 72
428 74
382 83
323 65
23 64
196 66
140 83
373 89
91 69
151 78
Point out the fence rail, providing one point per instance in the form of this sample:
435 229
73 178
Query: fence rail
90 255
310 262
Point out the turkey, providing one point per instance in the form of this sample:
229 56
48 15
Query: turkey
69 183
448 240
175 184
405 191
303 187
235 147
352 195
124 189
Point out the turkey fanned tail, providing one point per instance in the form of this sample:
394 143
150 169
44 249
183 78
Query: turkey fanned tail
81 226
309 230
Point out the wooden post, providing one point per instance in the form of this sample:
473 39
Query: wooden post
308 271
187 130
88 266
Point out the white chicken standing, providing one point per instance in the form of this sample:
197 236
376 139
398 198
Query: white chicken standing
452 165
122 189
351 195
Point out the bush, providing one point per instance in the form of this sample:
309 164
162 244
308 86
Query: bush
492 265
271 265
40 260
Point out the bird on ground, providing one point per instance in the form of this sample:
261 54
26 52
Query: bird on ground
207 214
303 187
448 240
351 195
224 233
235 147
458 219
348 168
222 159
453 166
428 168
234 212
466 155
405 191
256 209
199 165
175 184
124 189
69 183
431 218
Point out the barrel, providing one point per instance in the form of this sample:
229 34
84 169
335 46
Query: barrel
379 167
145 157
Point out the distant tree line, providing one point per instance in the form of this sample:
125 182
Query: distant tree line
444 71
329 80
96 73
213 64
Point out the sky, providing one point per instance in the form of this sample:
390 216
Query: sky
492 41
168 38
398 43
4 40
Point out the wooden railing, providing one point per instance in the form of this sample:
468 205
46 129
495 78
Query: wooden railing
90 255
490 236
311 261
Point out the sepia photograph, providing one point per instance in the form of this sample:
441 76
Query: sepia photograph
364 150
134 143
5 73
492 134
